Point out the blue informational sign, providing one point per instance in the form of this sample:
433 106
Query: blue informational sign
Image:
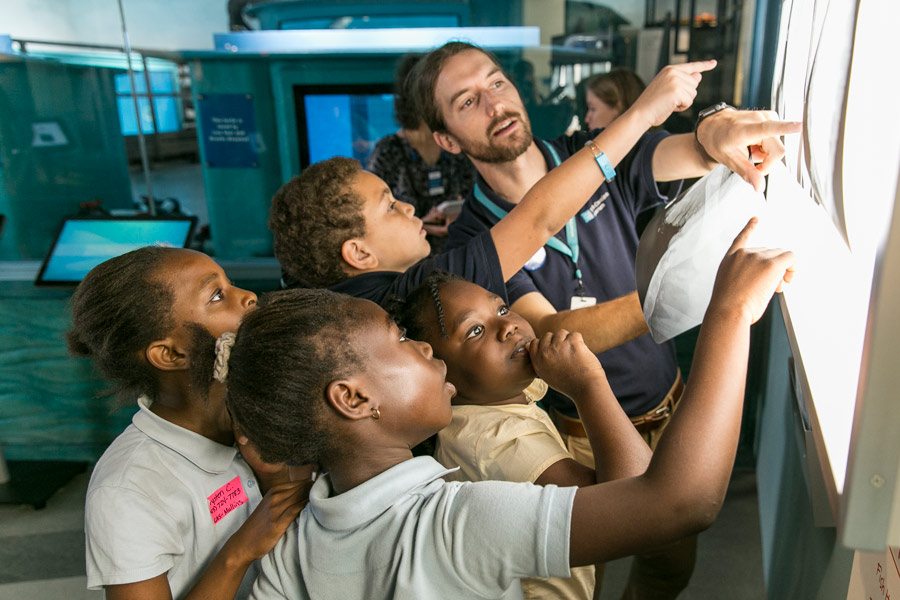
229 136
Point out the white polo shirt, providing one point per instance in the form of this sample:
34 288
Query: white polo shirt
163 499
407 534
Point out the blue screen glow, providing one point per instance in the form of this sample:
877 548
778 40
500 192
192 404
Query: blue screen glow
84 244
347 124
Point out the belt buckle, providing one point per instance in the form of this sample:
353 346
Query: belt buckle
659 414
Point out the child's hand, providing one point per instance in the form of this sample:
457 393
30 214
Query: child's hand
564 361
748 277
268 474
672 90
268 522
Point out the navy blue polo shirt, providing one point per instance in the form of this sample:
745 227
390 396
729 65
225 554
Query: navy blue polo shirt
475 260
641 371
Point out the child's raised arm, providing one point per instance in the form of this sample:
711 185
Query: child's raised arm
564 361
558 195
684 486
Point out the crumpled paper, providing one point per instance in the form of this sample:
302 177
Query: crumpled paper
681 248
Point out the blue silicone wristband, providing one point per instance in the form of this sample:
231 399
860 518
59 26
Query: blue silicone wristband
608 171
600 158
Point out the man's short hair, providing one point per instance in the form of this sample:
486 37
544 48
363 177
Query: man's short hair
312 215
426 74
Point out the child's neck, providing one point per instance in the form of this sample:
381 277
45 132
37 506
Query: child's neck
351 469
205 416
351 272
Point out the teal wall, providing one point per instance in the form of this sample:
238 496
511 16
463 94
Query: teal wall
40 185
52 406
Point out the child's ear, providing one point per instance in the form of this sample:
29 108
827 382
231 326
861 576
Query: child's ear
358 256
348 399
165 355
446 142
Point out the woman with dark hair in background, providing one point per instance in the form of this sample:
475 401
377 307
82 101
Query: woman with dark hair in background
609 95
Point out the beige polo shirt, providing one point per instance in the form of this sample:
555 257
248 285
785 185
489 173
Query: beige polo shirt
514 442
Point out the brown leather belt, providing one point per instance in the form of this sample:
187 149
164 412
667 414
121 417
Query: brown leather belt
648 421
654 418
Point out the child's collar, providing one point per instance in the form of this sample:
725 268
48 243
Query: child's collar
536 390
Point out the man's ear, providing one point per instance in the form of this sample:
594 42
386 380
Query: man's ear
446 141
358 256
348 399
166 355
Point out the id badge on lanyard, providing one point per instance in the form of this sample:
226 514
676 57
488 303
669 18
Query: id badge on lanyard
581 302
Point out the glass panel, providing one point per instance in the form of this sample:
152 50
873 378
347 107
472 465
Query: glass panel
123 83
168 114
161 82
128 118
62 153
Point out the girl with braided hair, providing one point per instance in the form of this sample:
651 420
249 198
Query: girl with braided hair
498 432
172 509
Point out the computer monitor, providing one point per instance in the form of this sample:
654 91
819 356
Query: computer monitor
342 120
84 242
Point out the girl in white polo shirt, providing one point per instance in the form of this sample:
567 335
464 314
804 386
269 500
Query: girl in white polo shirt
172 509
314 376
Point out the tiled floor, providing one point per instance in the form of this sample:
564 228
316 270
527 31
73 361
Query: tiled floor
42 551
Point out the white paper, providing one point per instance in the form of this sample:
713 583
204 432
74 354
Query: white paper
682 246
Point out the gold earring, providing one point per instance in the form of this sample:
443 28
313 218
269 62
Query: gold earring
376 413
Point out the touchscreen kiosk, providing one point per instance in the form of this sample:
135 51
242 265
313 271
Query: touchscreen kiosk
84 242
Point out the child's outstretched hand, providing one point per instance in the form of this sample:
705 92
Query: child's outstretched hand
748 277
672 90
564 361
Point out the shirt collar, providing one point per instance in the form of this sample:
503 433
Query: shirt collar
206 454
371 498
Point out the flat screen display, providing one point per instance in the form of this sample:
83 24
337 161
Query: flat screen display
84 242
342 120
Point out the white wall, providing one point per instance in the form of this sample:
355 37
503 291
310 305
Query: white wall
157 24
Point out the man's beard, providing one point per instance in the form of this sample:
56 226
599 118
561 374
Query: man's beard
491 153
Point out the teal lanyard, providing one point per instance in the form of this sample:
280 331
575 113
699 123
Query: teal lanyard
570 248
